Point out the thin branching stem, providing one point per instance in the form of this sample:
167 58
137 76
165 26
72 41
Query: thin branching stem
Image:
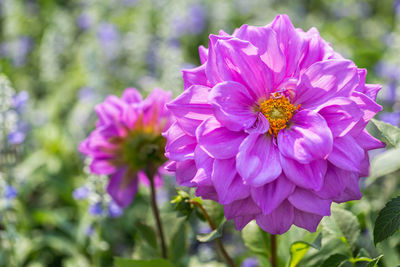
157 217
219 242
274 258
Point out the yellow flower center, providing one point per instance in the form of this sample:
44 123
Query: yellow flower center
278 110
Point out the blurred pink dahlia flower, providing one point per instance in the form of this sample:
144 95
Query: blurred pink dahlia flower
272 126
127 143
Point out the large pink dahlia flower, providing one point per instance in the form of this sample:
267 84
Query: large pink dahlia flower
272 126
127 143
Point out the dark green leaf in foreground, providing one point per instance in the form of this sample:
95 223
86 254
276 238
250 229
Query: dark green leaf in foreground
388 221
213 234
121 262
334 260
390 132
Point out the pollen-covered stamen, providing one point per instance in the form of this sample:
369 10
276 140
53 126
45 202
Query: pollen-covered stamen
278 110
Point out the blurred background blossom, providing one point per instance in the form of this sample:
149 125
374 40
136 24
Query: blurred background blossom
64 57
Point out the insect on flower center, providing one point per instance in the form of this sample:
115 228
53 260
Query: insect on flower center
278 110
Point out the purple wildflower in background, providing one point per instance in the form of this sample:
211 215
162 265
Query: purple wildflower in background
130 2
196 19
114 210
17 50
127 141
109 38
20 100
96 209
396 7
81 192
17 136
89 230
10 192
193 22
272 126
392 118
250 262
84 21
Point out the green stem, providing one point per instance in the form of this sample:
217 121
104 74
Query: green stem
219 242
157 217
274 258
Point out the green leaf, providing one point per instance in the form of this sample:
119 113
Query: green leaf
299 249
388 220
122 262
147 233
374 262
385 163
255 239
390 132
334 260
178 245
363 253
213 234
344 225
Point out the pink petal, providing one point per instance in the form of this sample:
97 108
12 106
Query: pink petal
233 106
314 50
307 139
158 181
279 221
258 160
269 196
131 95
368 142
346 153
203 53
185 172
227 182
261 125
242 207
334 183
217 140
341 114
122 187
371 90
191 108
196 76
239 61
306 201
308 221
308 176
180 146
242 221
102 167
290 42
207 192
204 165
368 106
324 80
352 190
265 39
110 110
